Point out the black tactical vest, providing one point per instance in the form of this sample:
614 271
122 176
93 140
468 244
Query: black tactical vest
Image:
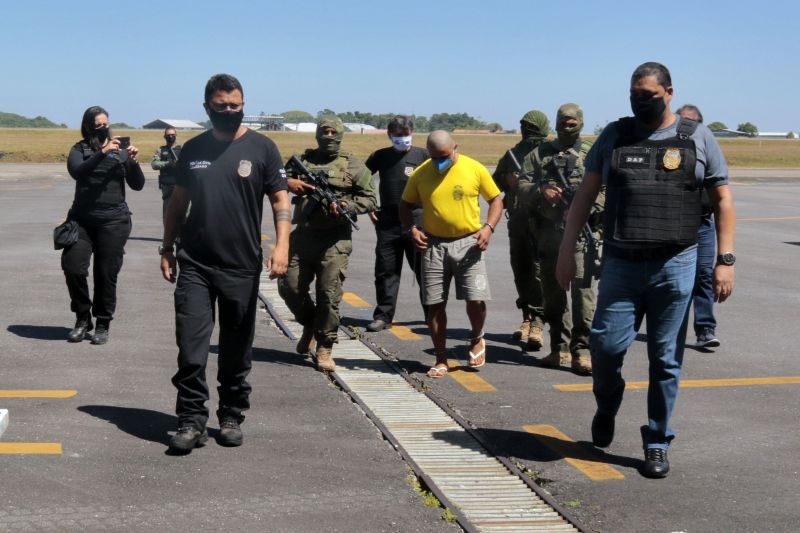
105 186
653 196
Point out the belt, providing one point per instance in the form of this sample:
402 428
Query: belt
645 254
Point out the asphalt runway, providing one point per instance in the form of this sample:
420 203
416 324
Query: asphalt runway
312 461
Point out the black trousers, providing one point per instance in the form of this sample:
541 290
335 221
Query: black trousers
198 289
389 252
106 240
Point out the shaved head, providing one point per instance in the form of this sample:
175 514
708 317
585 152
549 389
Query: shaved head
439 141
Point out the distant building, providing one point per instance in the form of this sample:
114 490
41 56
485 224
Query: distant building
759 135
776 135
730 133
356 127
178 124
302 127
263 122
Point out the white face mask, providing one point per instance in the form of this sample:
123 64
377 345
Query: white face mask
402 144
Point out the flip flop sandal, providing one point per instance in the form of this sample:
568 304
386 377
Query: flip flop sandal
437 372
481 355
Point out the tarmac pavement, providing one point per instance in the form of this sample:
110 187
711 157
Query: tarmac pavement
312 461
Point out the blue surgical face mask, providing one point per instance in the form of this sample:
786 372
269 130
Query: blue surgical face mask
401 144
442 163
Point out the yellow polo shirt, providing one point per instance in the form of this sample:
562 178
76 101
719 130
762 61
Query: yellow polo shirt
450 205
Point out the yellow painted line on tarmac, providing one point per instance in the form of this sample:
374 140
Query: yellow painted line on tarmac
763 219
694 383
265 237
30 448
403 333
470 380
355 300
37 393
589 464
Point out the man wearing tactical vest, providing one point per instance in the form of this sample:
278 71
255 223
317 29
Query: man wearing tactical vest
554 163
320 244
165 161
655 166
524 263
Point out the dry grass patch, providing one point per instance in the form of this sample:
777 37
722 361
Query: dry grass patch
52 145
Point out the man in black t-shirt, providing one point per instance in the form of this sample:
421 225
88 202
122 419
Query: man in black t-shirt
225 173
394 165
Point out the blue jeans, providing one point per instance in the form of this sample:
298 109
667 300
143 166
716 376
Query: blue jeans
703 293
658 289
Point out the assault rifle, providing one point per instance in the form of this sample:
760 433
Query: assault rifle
322 191
591 259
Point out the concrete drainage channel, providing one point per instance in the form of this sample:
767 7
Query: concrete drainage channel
484 492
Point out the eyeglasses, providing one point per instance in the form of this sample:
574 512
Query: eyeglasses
225 106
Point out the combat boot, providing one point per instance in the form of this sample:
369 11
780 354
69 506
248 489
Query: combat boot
535 338
555 359
582 364
324 358
306 342
522 333
82 327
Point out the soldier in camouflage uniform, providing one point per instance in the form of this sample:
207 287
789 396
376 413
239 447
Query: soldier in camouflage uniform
320 245
165 161
569 334
524 264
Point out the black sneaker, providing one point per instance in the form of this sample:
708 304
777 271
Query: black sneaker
377 325
100 334
187 438
230 434
82 327
656 464
707 339
602 430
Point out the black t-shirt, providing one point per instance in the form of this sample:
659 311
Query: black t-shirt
227 182
394 168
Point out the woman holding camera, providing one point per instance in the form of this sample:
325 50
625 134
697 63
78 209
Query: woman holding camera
101 165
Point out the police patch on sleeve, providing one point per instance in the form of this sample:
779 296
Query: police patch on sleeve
672 158
408 171
245 168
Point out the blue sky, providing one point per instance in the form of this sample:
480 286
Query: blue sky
492 59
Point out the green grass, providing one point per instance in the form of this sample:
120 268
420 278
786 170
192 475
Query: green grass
20 145
429 499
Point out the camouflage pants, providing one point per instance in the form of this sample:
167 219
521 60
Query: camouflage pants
526 269
320 256
569 331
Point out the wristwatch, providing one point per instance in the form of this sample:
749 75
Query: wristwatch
164 249
726 258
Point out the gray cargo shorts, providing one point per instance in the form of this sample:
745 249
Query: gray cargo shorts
448 258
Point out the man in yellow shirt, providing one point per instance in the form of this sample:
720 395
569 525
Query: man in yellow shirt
452 239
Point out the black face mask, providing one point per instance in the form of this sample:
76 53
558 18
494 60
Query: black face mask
648 110
170 138
101 134
226 122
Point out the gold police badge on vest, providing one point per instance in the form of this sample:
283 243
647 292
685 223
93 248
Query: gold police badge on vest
245 168
672 158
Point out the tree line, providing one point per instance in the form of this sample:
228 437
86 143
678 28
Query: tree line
437 121
12 120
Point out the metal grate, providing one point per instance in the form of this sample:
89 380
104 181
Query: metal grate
476 486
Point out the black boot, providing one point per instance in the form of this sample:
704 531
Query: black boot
82 327
101 333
